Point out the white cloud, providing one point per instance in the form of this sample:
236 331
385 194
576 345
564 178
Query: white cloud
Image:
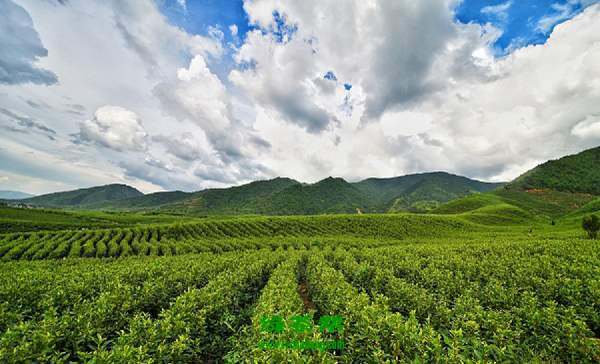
500 11
588 128
562 12
158 43
389 51
116 128
21 48
233 29
492 120
405 123
426 94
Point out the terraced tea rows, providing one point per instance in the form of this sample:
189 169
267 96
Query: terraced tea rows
215 236
444 302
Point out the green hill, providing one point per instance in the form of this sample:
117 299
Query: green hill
420 192
143 202
251 198
574 173
283 196
280 196
84 196
567 187
331 195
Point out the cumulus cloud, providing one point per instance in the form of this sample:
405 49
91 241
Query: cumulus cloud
198 96
184 147
588 128
547 96
158 44
494 119
394 53
21 48
279 79
371 88
115 128
158 173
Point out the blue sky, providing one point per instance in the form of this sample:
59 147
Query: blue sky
147 92
523 22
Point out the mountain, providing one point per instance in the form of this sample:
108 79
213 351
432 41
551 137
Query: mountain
574 173
279 196
14 195
84 196
420 192
251 198
149 201
569 186
331 195
283 196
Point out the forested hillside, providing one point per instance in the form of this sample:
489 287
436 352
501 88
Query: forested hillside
574 173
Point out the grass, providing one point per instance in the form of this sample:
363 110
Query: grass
18 219
140 287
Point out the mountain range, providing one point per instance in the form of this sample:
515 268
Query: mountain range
572 179
279 196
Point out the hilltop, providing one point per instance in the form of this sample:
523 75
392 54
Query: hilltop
84 196
421 192
574 173
567 187
280 196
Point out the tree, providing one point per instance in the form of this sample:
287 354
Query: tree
591 224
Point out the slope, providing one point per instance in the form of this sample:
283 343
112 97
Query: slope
251 198
574 173
84 196
330 195
420 192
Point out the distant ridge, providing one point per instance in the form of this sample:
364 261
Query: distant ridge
422 191
14 195
84 196
280 196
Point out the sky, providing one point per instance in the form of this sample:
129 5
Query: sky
188 95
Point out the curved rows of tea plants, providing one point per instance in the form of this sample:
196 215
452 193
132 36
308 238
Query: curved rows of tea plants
213 236
445 302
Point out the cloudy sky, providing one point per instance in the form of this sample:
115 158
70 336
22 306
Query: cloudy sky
175 94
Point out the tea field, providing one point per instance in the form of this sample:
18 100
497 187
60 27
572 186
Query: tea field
343 288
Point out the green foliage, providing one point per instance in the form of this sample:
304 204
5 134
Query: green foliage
573 173
423 186
468 203
590 207
280 196
591 225
166 239
435 298
84 196
480 281
21 219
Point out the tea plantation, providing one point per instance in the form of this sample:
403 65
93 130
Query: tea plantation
403 288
